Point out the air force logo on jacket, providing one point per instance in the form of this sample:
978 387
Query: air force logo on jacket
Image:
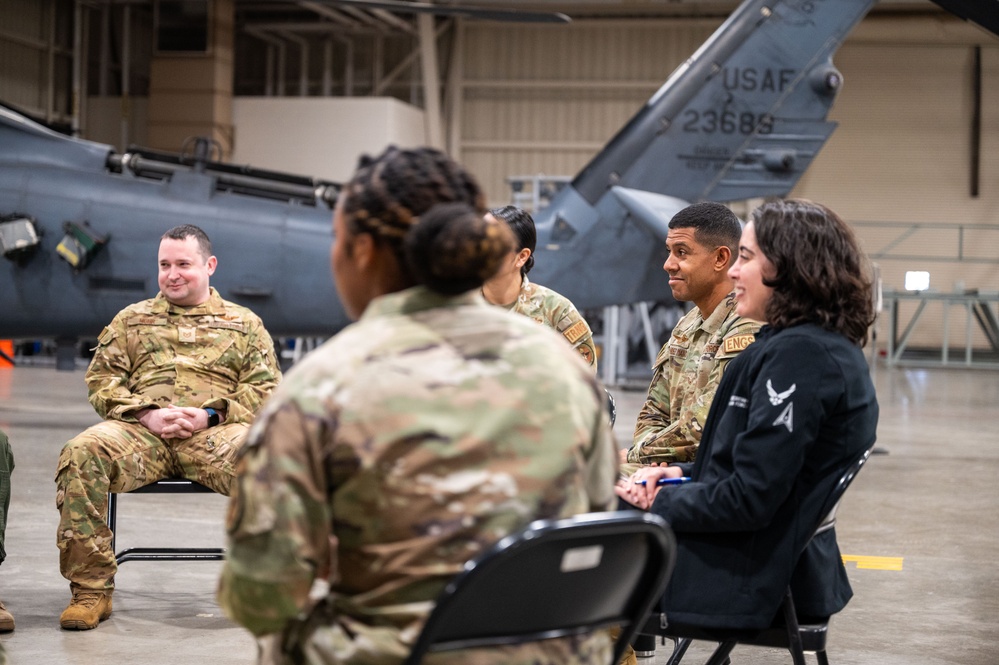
786 417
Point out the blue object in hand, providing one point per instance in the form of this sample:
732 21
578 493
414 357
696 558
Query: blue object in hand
667 481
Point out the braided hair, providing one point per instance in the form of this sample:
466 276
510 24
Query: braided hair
429 211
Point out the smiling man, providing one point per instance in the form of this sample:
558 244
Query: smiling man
702 243
177 379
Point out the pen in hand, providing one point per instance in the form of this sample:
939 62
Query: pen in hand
666 481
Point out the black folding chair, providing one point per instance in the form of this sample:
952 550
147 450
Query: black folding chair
785 632
555 578
165 486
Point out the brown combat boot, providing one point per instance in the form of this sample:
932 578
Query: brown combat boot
6 619
87 609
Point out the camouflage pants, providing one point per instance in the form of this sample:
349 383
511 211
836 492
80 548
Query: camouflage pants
6 466
115 456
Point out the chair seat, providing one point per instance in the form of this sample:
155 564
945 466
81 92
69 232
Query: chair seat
813 636
164 486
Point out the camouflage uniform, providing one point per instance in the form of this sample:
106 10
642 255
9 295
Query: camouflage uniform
414 439
156 354
6 466
685 376
556 312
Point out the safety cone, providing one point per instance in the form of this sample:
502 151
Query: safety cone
6 353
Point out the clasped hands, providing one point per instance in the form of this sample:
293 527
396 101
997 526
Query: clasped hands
174 422
632 489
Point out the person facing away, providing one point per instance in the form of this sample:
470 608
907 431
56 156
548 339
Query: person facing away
791 414
177 379
510 287
701 245
414 439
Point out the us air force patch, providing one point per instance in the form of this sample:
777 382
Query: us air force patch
777 398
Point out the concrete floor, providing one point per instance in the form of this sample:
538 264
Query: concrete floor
930 502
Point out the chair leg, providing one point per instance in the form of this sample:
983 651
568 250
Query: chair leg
644 646
112 516
821 657
720 656
679 648
793 630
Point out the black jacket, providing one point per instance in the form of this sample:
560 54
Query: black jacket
790 415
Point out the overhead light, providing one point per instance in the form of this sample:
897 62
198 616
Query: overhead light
917 280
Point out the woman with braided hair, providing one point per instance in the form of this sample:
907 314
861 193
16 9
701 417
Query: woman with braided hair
414 439
510 287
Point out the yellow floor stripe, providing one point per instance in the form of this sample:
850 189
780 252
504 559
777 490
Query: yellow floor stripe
875 562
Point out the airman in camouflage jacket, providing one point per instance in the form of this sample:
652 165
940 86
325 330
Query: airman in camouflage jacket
685 376
404 446
555 311
155 354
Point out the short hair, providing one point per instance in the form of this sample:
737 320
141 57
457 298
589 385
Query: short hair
714 225
522 225
401 199
185 231
821 274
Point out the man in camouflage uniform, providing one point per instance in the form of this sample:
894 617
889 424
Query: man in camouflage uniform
6 466
702 243
178 379
555 311
414 440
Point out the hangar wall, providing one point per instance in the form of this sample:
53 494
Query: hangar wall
321 138
545 99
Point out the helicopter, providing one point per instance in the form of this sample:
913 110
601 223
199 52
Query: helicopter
743 117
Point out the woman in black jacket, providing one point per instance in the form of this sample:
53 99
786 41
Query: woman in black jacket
791 414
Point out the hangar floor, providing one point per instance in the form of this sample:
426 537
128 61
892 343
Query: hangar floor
919 527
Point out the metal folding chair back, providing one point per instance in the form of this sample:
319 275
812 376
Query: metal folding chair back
555 578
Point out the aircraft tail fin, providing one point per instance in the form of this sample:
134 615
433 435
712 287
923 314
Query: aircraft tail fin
744 116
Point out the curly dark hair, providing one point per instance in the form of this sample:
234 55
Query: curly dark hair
822 275
429 211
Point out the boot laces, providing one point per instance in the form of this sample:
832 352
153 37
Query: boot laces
88 599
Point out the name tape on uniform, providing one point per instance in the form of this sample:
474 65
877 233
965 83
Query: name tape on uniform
738 342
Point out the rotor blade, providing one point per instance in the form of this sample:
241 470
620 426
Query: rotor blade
481 13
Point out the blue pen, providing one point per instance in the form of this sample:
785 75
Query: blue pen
667 481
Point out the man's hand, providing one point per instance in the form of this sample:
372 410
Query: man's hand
623 455
174 422
634 492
